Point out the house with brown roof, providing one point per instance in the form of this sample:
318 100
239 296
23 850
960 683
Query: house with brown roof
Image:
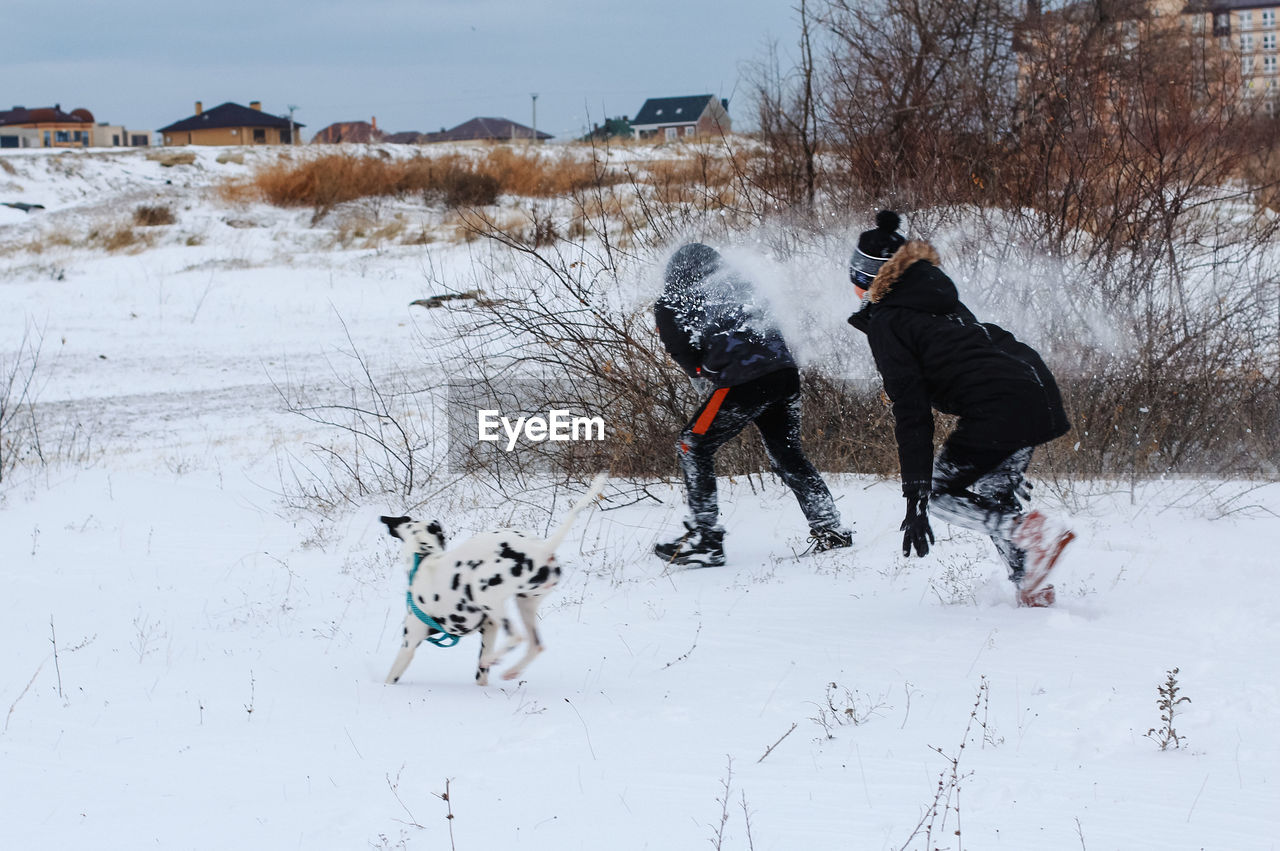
46 127
682 117
487 129
406 137
231 124
356 132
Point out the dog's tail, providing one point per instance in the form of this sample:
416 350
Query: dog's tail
597 485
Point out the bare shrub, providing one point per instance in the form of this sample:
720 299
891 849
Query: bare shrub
917 99
787 108
852 708
26 440
1165 735
19 429
945 805
383 442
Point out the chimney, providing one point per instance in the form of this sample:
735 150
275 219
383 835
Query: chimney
199 107
255 104
374 122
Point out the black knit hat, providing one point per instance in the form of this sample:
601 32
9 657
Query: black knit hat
690 265
875 246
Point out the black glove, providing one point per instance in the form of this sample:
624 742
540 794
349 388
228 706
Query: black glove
915 527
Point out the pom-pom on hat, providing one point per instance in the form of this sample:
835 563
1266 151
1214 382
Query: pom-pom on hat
875 246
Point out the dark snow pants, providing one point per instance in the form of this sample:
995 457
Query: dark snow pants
772 402
981 490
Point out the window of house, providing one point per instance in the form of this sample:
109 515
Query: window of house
235 132
1268 65
1246 66
671 134
1268 17
1268 41
61 136
1222 23
1246 42
259 135
1246 18
286 138
46 138
690 130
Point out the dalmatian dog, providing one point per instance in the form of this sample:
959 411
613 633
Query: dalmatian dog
465 589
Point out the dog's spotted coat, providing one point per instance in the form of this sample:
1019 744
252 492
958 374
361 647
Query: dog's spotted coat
467 589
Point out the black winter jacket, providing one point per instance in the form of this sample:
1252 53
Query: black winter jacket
932 353
710 324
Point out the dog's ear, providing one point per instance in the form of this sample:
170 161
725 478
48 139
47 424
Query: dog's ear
394 523
436 529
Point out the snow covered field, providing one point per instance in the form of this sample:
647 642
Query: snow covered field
192 663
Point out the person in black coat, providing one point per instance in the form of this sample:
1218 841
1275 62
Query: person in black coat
710 324
932 353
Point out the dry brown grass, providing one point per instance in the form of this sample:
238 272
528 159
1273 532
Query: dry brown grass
168 159
363 229
453 179
324 182
117 238
533 173
149 215
39 244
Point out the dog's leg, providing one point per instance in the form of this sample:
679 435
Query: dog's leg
514 637
415 631
488 641
528 607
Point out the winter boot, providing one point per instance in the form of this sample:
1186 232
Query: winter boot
699 546
1043 546
822 539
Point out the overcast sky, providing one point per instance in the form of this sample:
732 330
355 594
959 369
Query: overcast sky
415 64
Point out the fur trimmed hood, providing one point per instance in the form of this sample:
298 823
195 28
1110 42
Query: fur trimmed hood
893 269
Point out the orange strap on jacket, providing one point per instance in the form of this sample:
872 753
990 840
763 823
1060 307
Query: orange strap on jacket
709 412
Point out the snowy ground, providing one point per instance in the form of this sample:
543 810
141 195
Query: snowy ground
190 663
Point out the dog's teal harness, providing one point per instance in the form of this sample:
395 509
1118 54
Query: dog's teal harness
445 638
